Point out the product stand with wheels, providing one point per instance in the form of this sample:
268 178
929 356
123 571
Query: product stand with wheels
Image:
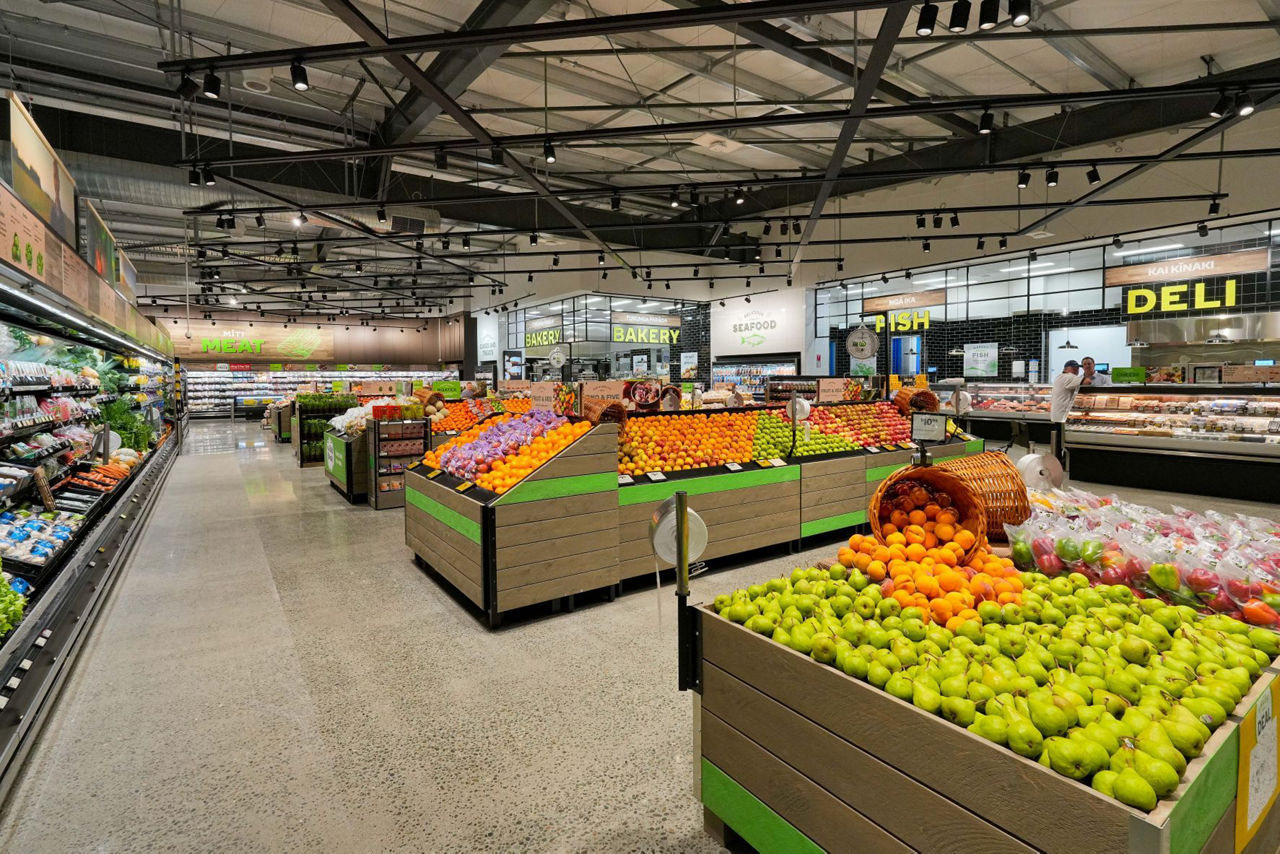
797 756
346 464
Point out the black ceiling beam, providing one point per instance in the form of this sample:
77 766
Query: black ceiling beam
552 31
1193 90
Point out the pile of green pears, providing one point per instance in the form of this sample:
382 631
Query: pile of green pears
1099 686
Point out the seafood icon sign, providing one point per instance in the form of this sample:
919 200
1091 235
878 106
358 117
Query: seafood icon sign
755 340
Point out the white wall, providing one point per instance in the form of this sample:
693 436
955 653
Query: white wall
1103 343
770 323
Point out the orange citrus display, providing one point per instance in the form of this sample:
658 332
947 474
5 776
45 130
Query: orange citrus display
517 404
683 442
460 417
934 579
511 469
432 457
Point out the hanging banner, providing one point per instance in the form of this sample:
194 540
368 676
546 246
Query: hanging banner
39 178
100 246
898 302
259 343
982 360
128 282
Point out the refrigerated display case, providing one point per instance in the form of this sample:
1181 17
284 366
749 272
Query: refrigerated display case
752 373
1003 401
1207 440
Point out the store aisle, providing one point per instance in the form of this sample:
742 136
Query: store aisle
275 673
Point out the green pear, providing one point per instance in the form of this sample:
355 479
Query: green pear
958 710
802 640
954 686
1136 720
1237 658
1114 726
1129 787
1154 741
760 624
900 686
1047 716
1102 735
1160 774
980 693
1029 665
1222 698
1068 757
823 649
1181 714
1104 781
1136 650
878 675
1024 738
1095 753
1184 736
993 728
1124 684
1268 643
926 697
1123 758
1090 714
782 636
1206 711
741 611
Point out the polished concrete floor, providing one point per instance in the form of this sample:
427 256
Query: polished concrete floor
274 673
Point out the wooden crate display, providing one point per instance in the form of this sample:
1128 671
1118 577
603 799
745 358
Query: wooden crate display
743 510
553 535
797 756
346 464
281 420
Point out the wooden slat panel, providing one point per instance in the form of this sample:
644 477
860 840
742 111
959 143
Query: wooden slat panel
832 508
713 518
712 500
892 800
428 528
833 481
1017 794
561 547
554 567
604 523
746 538
555 588
722 538
852 492
808 807
636 566
458 575
445 495
593 443
551 508
841 465
561 466
637 558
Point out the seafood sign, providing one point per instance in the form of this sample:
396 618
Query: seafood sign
754 340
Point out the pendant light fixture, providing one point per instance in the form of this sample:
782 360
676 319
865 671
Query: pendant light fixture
1020 12
987 123
959 21
928 18
298 73
988 14
212 85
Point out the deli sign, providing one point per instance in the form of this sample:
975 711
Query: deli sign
1183 284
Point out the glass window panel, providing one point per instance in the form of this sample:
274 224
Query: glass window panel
993 308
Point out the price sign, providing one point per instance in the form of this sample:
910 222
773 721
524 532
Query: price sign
433 474
1257 775
928 427
656 476
777 462
733 467
625 480
764 464
464 486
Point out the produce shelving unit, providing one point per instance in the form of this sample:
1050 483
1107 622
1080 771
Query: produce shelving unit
346 464
385 467
794 755
281 421
499 551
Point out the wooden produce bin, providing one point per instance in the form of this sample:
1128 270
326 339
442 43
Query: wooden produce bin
281 422
346 464
553 535
797 756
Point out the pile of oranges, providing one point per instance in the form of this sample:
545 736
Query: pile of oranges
460 417
513 468
934 579
683 442
517 404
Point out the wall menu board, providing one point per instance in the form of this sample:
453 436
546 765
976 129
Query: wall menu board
39 178
100 246
982 360
897 302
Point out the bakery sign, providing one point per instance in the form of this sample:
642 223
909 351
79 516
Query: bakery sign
629 327
543 331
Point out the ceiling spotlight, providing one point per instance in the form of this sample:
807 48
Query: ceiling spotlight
721 305
988 14
299 219
359 266
711 284
1004 243
928 17
884 278
615 202
768 228
201 254
1117 242
1221 107
738 195
926 246
761 269
795 226
695 272
1024 179
777 250
260 221
1093 175
466 241
648 286
784 228
604 274
548 151
1032 257
955 220
675 198
668 285
937 219
982 244
1215 207
1020 12
382 215
555 260
959 16
193 177
533 238
1202 229
919 220
840 266
471 278
207 176
1244 104
212 85
1051 177
907 273
748 299
444 246
648 273
987 123
442 159
298 73
495 155
748 283
187 88
757 258
529 279
600 258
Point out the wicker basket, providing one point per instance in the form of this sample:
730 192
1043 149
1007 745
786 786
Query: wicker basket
599 411
923 399
965 499
994 476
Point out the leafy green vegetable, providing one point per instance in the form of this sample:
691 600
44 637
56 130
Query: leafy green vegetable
133 430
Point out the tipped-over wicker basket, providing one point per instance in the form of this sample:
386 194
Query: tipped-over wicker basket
919 399
998 481
599 411
966 501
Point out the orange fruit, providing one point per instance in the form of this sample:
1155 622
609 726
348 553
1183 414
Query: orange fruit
875 570
950 580
948 515
917 517
887 529
931 510
914 534
915 551
955 623
898 519
965 538
897 538
941 610
861 560
882 555
845 556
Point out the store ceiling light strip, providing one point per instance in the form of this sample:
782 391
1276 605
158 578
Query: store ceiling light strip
1164 247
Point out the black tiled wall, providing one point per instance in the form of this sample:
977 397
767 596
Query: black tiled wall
695 336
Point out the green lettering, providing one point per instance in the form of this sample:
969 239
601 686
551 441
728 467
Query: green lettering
209 345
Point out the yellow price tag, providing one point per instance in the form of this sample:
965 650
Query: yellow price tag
433 474
464 486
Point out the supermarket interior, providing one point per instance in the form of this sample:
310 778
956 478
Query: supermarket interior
822 406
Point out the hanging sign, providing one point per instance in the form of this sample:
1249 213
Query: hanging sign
981 360
1182 269
543 331
897 302
689 366
902 321
1181 297
39 178
628 327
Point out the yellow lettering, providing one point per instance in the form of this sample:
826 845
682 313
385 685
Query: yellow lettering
1173 298
1202 300
619 332
675 336
921 320
1141 300
1231 292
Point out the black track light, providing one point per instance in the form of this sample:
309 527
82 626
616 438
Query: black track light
795 227
1051 177
784 228
695 272
1244 104
768 228
299 219
675 198
1202 229
761 269
738 195
187 88
1215 207
777 250
648 286
206 175
884 278
757 258
667 285
260 221
201 254
604 275
937 219
1117 242
1032 256
444 246
529 278
212 85
959 21
721 304
648 273
471 278
533 238
926 246
748 283
748 299
840 265
1024 179
1221 107
615 202
442 159
417 245
987 123
495 155
382 215
548 151
1004 243
955 220
711 285
555 260
988 14
982 244
298 73
359 266
193 177
928 18
919 220
907 274
466 241
1020 12
1093 175
600 259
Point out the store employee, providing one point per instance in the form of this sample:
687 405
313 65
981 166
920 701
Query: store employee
1065 386
1091 375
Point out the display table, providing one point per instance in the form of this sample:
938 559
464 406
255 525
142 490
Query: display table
346 464
797 756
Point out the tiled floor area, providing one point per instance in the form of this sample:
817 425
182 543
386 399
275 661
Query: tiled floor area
274 673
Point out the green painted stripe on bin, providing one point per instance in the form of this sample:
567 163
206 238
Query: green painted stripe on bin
661 491
832 523
977 446
445 515
1199 809
560 487
876 475
762 828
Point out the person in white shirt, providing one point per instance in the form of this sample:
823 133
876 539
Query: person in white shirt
1065 386
1091 375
